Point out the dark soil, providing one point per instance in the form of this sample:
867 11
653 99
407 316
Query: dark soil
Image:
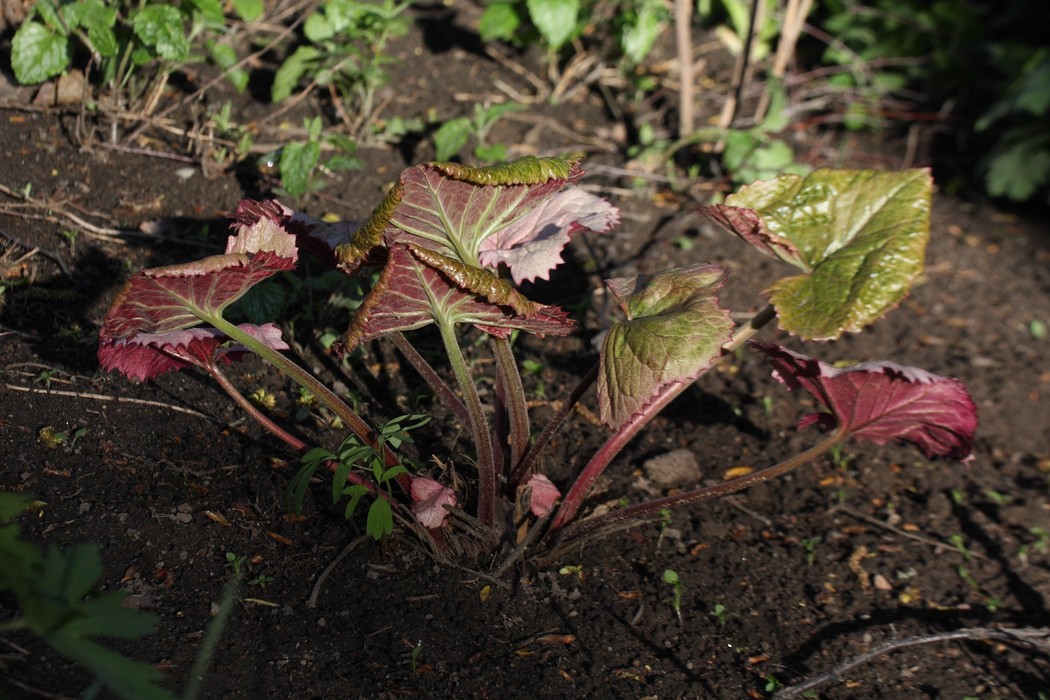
782 582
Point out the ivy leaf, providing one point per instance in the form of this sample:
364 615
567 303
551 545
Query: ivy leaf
170 298
556 19
883 402
37 53
674 330
161 27
429 499
859 236
147 355
418 287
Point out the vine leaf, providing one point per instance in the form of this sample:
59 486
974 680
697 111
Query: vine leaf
674 330
883 402
858 235
418 287
147 355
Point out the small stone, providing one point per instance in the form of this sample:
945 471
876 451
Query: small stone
880 583
678 468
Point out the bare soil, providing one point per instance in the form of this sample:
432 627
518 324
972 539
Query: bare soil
783 582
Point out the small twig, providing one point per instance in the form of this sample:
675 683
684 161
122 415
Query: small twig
117 399
684 39
1038 637
49 254
903 533
311 602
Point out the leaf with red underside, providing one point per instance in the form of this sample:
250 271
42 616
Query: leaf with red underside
674 331
883 402
520 214
147 355
165 299
859 236
543 495
417 287
429 501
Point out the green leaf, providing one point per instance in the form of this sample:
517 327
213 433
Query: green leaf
858 235
294 67
263 302
249 10
674 331
225 57
499 21
126 678
355 492
317 28
556 19
11 505
211 11
1018 171
161 26
69 574
638 38
451 137
311 461
37 53
298 161
380 519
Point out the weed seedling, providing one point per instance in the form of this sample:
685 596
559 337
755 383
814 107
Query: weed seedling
718 613
671 578
810 545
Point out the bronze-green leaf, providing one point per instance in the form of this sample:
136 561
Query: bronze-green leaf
674 331
859 235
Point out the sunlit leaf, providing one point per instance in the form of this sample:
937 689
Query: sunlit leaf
859 236
674 330
883 402
411 293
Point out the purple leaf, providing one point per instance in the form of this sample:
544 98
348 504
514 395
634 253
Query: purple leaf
429 499
531 246
543 496
411 293
520 214
147 355
883 402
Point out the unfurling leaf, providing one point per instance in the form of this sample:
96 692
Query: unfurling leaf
429 499
883 402
460 211
674 330
543 495
531 246
411 293
859 236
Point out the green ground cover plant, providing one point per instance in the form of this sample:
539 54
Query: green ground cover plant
433 250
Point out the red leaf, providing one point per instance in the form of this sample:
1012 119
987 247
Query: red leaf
883 402
410 294
543 496
147 355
